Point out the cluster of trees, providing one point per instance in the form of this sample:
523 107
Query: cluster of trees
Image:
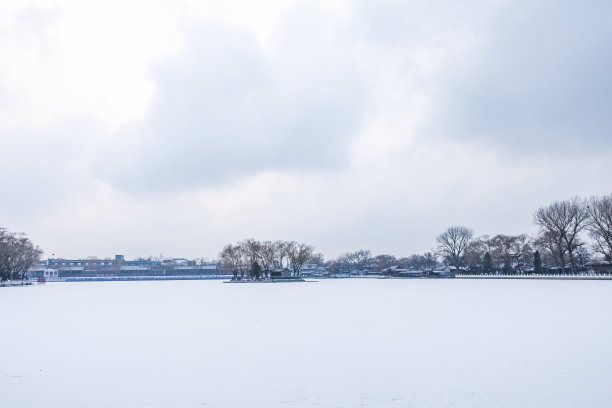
17 255
256 259
571 233
363 261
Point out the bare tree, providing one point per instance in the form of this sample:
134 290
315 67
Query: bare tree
232 258
380 262
430 261
280 253
599 224
551 248
357 260
566 219
510 251
427 261
17 255
298 254
475 253
250 249
267 256
361 258
317 259
453 243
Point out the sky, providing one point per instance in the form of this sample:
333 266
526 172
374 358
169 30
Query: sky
173 127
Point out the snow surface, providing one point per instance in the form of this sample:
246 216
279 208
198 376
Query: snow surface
335 343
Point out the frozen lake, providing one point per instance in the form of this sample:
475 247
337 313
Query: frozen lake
335 343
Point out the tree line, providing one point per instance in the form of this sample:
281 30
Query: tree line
253 259
571 233
364 262
17 255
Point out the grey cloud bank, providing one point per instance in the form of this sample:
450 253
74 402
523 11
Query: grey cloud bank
538 81
224 110
532 78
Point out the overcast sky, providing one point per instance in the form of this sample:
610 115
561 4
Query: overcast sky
147 128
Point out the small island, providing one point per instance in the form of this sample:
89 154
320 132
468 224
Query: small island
252 261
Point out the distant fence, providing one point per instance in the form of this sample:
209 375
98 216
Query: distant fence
138 278
15 283
541 277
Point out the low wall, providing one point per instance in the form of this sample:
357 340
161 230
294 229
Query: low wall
140 278
549 277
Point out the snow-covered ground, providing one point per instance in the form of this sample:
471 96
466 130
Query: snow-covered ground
335 343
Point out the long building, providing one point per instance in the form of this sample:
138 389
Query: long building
119 266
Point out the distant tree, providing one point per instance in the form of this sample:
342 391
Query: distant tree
231 258
537 262
487 263
582 254
474 253
380 262
250 249
551 248
565 219
280 253
362 258
298 254
317 259
256 270
430 261
17 255
453 243
412 262
267 254
599 224
357 260
426 262
510 251
403 262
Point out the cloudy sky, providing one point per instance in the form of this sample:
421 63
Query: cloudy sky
149 128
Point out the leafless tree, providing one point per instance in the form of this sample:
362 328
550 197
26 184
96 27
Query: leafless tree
298 254
508 251
232 258
267 256
424 262
280 251
552 249
357 260
380 262
413 262
17 255
566 219
599 224
453 243
361 258
430 261
475 252
250 249
317 259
